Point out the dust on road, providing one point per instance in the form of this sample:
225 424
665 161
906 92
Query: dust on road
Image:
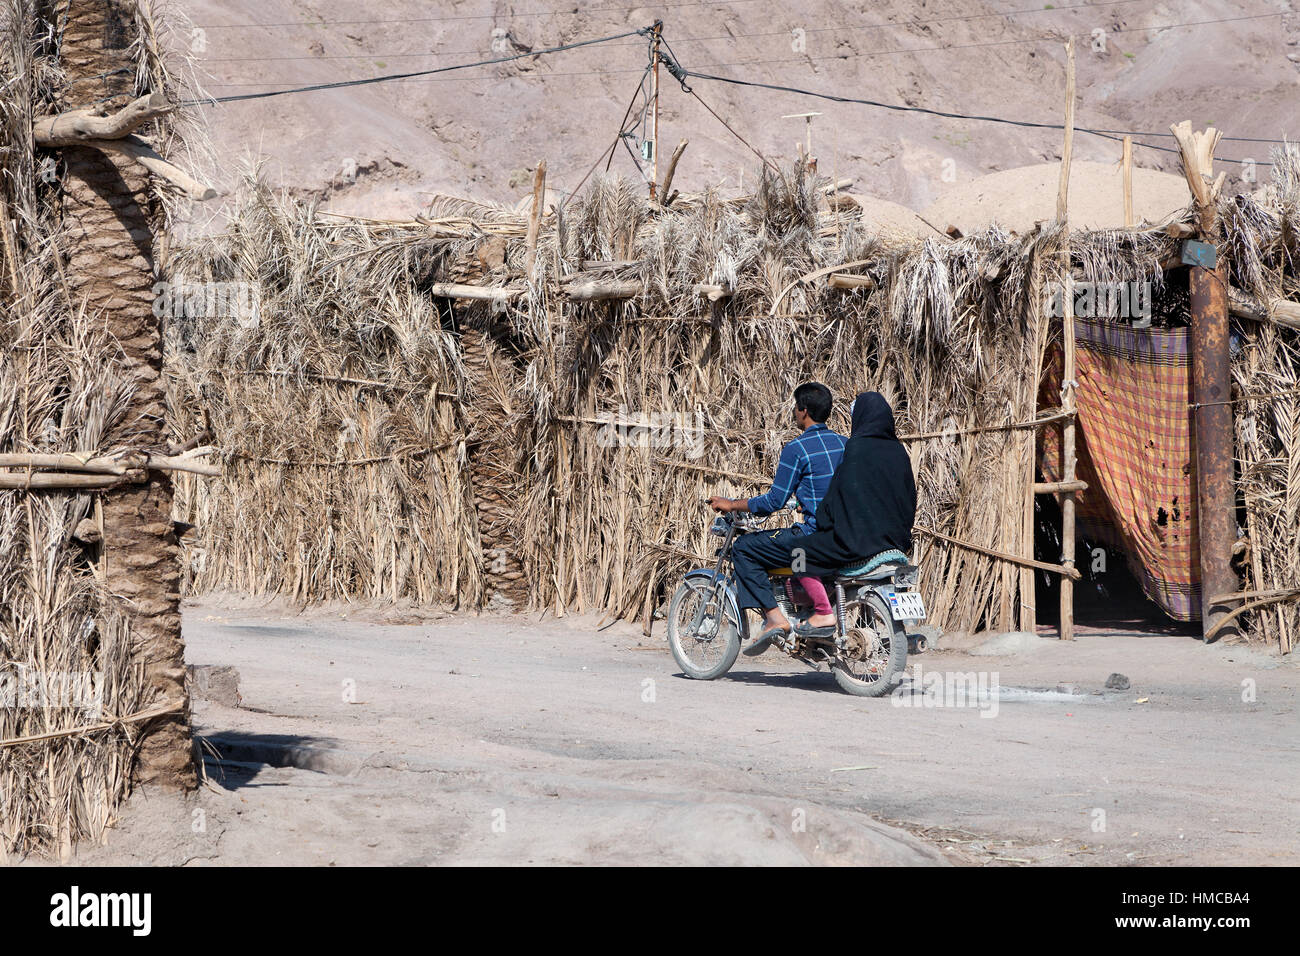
426 738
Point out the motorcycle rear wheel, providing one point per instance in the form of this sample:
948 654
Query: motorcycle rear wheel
877 653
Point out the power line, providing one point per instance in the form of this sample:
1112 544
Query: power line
681 74
341 56
847 28
425 73
622 128
993 43
731 130
342 84
839 28
480 16
291 88
899 108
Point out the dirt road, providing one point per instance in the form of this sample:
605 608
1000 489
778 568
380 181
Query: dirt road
505 739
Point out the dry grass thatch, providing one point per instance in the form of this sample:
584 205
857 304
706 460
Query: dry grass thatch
592 430
1264 251
72 693
601 515
332 388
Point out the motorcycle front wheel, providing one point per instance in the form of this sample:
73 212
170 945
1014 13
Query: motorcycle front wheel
710 651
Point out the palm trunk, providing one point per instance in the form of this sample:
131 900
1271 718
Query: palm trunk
498 490
110 265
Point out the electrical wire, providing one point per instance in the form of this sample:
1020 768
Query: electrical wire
838 28
622 128
480 16
1115 135
343 84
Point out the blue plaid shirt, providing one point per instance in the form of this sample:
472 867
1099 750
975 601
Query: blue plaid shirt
804 471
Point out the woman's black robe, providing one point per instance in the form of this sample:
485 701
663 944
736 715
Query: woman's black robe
871 503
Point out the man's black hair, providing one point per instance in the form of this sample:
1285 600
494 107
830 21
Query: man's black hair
815 399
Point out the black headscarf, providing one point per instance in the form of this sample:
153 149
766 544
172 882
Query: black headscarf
871 503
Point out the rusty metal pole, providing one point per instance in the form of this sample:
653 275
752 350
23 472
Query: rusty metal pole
1213 431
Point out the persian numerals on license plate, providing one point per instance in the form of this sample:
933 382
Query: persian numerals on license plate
906 606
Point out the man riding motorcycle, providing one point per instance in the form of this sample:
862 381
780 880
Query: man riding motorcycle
805 469
869 507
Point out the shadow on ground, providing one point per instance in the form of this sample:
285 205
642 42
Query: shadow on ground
232 759
798 680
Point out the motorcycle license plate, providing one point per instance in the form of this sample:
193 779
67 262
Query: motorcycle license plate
906 605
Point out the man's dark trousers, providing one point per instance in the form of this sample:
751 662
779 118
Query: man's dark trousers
753 555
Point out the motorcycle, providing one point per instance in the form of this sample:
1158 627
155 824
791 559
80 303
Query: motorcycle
874 601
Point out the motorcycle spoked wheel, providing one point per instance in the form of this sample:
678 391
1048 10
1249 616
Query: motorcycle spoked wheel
710 653
875 653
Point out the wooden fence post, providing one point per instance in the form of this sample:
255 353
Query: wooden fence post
1067 347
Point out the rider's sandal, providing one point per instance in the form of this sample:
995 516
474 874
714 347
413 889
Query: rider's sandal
804 629
764 641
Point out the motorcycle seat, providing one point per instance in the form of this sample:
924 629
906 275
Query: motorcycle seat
881 566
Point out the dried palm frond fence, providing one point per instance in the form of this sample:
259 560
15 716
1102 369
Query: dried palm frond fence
80 709
356 448
333 391
1263 247
481 398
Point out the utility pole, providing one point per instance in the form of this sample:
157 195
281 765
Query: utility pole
654 129
807 118
1069 403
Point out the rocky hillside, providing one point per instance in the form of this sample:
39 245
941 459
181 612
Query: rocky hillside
381 149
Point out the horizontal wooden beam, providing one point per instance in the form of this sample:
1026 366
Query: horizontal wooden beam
838 280
1070 572
144 154
595 290
707 470
115 465
67 461
1052 487
608 265
53 481
457 290
1278 311
815 274
1056 415
83 127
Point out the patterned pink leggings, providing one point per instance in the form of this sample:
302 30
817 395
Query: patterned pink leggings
816 592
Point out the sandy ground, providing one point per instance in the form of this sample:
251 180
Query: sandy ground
409 737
